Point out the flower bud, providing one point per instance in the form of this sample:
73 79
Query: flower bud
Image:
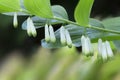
28 27
104 52
47 34
109 50
32 27
86 46
15 20
68 39
52 35
62 36
83 44
100 47
90 46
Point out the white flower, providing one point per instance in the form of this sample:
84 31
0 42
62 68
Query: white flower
68 39
104 52
62 36
52 35
28 26
15 20
86 46
83 43
31 28
47 34
100 47
109 50
90 45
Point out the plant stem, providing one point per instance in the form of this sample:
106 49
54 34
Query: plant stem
88 26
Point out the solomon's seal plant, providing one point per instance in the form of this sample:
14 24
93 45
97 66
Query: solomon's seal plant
83 32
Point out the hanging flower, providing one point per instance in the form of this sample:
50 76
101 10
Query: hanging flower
100 47
62 36
86 46
52 35
47 34
31 28
109 50
68 39
15 20
65 38
104 50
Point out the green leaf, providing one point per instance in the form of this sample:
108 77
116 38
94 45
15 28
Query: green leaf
9 6
112 23
59 11
41 8
39 22
82 12
117 44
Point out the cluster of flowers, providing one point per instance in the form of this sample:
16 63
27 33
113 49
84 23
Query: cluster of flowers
64 35
104 49
30 25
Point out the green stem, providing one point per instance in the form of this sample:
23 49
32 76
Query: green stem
88 26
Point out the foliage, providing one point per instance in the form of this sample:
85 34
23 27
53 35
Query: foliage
62 64
67 66
43 13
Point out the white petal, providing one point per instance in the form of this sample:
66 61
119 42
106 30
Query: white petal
32 27
90 45
52 35
68 38
83 44
47 34
28 26
15 20
62 36
104 51
109 50
100 47
86 47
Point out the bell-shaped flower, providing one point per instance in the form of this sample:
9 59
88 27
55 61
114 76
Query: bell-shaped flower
62 36
99 47
15 20
28 26
109 50
47 34
52 35
86 46
31 28
68 39
83 44
90 46
104 51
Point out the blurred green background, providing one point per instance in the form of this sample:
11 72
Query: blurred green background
23 58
